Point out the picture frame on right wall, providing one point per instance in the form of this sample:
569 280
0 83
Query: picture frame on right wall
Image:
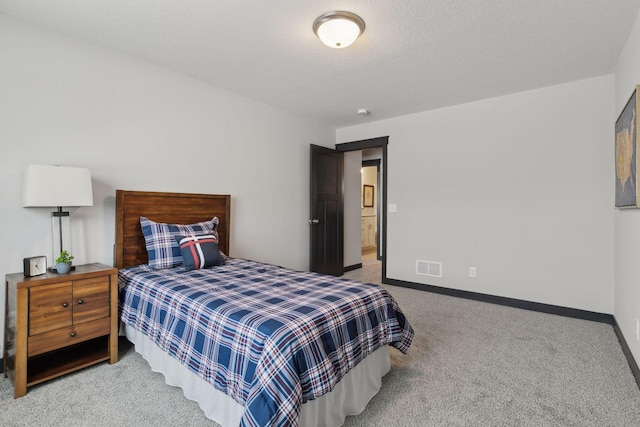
626 153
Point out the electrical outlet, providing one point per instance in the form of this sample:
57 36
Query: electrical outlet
472 272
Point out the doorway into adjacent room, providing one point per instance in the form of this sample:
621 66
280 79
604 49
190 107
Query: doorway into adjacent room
365 246
337 206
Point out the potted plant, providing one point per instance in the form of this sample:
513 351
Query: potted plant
63 262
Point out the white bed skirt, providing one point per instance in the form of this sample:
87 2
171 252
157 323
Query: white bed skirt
349 397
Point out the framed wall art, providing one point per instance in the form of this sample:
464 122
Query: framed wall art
627 154
367 196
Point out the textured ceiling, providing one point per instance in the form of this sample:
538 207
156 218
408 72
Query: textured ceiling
414 55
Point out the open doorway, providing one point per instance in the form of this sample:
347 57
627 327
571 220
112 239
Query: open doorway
364 201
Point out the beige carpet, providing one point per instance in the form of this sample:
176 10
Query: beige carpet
480 364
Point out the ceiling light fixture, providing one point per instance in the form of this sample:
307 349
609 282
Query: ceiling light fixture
338 29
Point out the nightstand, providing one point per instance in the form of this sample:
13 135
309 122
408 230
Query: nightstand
59 323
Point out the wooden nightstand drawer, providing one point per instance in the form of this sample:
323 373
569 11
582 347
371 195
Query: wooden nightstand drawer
64 337
50 307
90 299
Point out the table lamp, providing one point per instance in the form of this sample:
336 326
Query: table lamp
57 186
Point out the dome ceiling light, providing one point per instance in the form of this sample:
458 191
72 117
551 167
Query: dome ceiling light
338 29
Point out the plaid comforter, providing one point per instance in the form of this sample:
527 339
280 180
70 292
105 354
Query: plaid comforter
269 337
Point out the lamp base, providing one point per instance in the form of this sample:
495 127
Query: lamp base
61 227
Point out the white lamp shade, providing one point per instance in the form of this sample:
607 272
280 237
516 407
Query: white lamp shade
52 186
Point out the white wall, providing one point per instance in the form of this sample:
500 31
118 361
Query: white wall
352 205
520 187
627 221
141 127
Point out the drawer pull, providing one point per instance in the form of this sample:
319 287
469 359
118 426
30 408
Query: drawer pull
65 304
80 301
72 334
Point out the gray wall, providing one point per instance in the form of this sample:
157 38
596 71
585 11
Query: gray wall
352 207
519 187
627 221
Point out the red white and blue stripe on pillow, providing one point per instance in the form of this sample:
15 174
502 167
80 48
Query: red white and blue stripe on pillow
269 337
199 251
160 239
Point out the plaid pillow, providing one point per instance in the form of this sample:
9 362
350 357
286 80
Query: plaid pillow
160 239
199 251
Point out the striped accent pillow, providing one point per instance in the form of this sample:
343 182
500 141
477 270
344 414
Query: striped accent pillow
199 251
160 239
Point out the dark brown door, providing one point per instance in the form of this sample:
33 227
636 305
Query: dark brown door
326 222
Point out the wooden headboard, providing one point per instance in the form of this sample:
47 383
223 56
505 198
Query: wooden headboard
173 208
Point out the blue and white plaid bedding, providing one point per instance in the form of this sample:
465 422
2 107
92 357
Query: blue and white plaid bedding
269 337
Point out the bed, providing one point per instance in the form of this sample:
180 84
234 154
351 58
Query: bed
254 344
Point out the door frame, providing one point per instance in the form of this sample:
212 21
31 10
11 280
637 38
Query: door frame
380 142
